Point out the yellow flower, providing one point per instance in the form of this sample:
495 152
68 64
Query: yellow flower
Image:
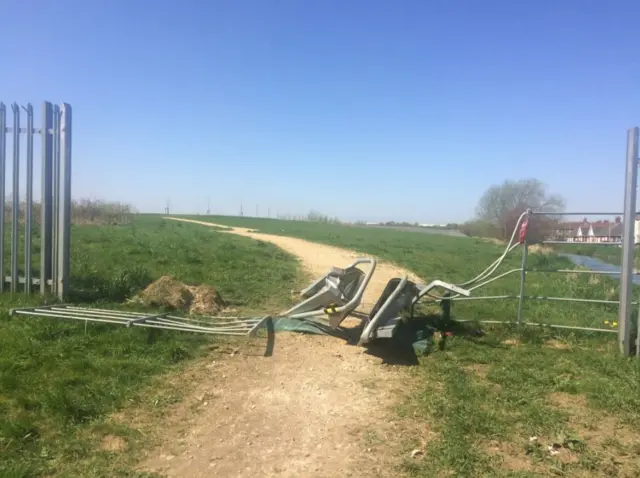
615 324
606 322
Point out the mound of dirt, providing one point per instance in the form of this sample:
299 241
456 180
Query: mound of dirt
206 300
169 292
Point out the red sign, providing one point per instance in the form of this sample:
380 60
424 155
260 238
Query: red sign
523 230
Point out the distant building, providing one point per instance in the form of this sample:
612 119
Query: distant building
599 232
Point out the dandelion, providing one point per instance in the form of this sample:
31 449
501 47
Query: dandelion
615 324
606 322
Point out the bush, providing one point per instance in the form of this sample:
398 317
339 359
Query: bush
83 211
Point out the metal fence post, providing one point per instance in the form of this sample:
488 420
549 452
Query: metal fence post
46 200
29 203
55 204
626 276
523 279
638 332
64 204
523 274
16 198
3 153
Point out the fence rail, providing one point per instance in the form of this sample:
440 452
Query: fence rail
626 273
55 221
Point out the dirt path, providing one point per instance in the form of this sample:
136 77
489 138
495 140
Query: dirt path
315 407
317 259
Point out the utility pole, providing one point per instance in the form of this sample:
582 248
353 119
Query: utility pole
208 205
241 212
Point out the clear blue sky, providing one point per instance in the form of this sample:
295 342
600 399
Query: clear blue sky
359 109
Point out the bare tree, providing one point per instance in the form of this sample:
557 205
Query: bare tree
502 204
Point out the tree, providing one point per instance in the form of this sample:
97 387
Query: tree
501 205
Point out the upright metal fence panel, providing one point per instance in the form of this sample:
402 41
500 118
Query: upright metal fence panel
56 197
3 156
46 199
55 200
15 202
29 203
626 276
625 303
64 207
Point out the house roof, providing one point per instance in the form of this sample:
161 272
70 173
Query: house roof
611 229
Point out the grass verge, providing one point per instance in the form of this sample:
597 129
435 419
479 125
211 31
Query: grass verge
494 405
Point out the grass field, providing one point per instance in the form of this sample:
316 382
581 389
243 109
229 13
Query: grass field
59 382
482 398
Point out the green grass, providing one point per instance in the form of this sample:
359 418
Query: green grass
483 399
59 381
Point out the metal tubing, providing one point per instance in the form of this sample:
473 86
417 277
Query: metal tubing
523 278
114 312
46 313
534 297
540 213
486 297
570 299
98 314
29 203
164 321
186 329
357 297
583 243
3 163
626 276
373 323
512 271
570 327
64 225
254 330
577 271
15 210
46 197
213 321
55 194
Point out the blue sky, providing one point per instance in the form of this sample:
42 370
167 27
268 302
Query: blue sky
360 109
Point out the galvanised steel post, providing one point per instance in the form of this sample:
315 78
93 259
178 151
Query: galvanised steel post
626 276
47 198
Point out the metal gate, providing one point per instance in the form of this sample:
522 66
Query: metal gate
55 198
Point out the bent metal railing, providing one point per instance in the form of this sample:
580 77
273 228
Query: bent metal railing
626 273
523 271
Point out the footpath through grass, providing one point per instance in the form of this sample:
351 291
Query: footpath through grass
492 405
59 381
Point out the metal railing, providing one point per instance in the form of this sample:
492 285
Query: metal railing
625 302
55 198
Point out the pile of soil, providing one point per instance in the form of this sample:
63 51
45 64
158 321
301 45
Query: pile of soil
171 293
